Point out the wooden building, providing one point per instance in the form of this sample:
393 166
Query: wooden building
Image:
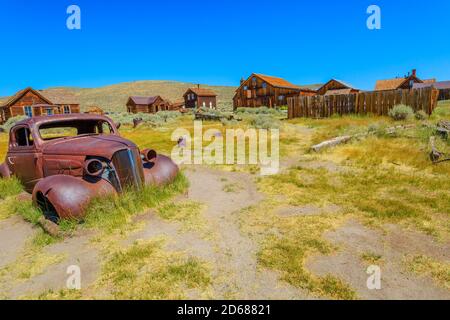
177 105
95 110
147 104
200 97
406 82
30 102
261 90
442 86
336 87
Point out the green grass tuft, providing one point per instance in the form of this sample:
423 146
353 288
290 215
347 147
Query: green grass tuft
10 187
115 211
145 271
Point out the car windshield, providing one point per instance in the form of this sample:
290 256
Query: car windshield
76 128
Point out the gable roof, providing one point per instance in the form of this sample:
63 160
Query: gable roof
389 84
330 87
143 100
392 84
201 92
60 96
13 99
275 81
345 85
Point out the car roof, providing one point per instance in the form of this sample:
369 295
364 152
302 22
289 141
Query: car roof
39 120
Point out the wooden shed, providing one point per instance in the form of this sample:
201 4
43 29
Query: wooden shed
95 110
336 87
147 104
200 97
268 91
30 102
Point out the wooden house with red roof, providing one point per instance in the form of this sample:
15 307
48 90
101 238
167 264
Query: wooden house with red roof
154 104
261 90
406 82
200 97
30 102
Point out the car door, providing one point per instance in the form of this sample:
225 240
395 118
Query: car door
22 157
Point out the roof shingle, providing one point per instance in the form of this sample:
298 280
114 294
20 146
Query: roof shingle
144 100
60 96
203 92
277 82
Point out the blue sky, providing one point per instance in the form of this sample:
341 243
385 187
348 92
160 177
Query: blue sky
219 41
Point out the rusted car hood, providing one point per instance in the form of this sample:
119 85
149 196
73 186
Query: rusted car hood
103 146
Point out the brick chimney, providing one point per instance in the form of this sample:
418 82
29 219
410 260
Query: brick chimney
242 80
198 86
414 72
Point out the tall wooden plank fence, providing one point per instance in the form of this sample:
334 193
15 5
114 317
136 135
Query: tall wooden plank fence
374 102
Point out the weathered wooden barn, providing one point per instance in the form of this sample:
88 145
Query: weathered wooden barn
406 82
261 90
336 87
147 104
200 98
31 102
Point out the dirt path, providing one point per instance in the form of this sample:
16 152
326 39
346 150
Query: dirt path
236 264
231 254
396 282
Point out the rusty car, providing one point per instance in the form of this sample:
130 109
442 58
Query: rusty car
65 161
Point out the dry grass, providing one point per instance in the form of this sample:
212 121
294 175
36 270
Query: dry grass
114 98
425 266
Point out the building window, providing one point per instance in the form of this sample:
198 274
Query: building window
281 98
264 85
204 104
245 88
49 111
28 111
254 81
67 110
210 105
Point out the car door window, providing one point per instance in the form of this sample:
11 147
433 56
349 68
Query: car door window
22 137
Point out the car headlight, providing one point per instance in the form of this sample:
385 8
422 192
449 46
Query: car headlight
149 155
94 167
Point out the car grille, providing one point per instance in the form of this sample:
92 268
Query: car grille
128 166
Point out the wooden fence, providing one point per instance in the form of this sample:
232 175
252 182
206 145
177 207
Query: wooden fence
375 102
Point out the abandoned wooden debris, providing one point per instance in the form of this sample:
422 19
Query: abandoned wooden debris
344 139
214 117
443 129
50 227
331 143
436 156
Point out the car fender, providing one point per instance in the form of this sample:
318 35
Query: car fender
70 196
160 171
4 171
